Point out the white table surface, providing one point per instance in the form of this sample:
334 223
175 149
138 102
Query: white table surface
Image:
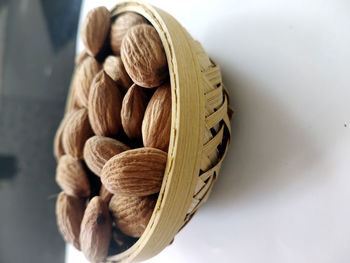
284 191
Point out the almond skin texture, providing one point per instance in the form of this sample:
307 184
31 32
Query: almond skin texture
79 58
105 101
74 102
69 213
133 109
96 230
114 68
98 150
76 132
132 214
143 56
156 123
95 29
137 172
85 73
57 145
105 194
71 177
121 25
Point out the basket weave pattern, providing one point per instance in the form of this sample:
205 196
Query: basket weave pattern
217 129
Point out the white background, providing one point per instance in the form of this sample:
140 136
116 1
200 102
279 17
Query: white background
284 191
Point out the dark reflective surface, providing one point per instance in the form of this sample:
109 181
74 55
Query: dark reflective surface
37 47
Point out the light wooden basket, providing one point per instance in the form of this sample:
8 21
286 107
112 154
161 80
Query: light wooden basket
199 137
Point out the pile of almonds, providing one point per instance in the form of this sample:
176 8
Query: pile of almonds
112 144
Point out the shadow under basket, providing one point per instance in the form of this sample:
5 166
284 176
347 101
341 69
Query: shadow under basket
200 133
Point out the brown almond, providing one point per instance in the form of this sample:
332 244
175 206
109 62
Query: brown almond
105 194
121 25
80 57
57 145
114 67
133 109
143 55
98 150
85 74
69 213
76 132
71 177
132 214
95 29
137 172
74 102
96 230
156 123
105 101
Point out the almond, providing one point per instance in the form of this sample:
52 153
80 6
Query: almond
57 145
131 213
121 25
76 132
105 194
136 172
114 67
74 102
85 74
98 150
96 230
156 123
71 177
143 55
79 58
69 213
133 109
95 29
105 101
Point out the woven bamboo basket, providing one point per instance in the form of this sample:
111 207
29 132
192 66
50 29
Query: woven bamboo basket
199 138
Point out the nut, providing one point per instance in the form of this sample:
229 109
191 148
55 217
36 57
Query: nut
132 214
121 25
133 109
105 101
85 73
69 213
143 55
79 58
73 101
156 123
76 132
96 230
114 67
95 29
57 145
71 177
137 172
98 150
105 194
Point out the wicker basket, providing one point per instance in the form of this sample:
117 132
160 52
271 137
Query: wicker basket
199 137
